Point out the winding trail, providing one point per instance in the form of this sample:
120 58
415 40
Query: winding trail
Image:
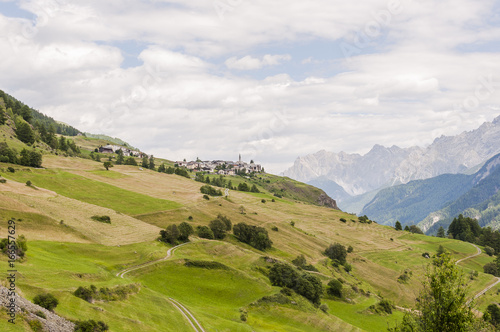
488 287
195 324
475 296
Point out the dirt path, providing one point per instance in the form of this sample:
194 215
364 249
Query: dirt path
474 255
475 296
183 310
488 287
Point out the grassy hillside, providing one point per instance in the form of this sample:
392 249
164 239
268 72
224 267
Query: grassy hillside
68 249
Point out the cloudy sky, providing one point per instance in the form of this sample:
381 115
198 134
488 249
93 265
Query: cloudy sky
273 80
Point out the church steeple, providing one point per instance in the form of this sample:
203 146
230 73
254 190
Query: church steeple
240 158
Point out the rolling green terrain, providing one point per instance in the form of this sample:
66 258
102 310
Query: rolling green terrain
228 287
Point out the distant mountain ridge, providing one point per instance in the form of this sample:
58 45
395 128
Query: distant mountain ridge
384 167
434 202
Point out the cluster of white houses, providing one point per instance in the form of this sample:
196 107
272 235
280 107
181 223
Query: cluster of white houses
126 152
221 166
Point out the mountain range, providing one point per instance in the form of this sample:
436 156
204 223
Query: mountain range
354 179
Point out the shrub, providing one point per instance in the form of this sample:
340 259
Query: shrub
426 255
350 249
383 307
334 288
171 234
90 326
40 314
36 325
206 197
104 219
491 268
336 251
190 218
274 228
47 301
263 200
209 190
218 228
494 314
185 230
205 233
347 267
28 183
11 169
292 223
324 308
489 251
255 236
299 261
3 181
210 265
273 200
116 293
343 220
415 229
405 277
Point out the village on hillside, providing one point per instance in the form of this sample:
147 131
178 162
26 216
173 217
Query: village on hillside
221 167
126 152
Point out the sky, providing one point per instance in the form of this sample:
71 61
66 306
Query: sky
272 80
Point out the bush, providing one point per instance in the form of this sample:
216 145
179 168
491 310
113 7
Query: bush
491 268
206 197
11 169
28 183
343 220
40 314
334 288
405 277
489 251
263 200
383 307
218 228
185 231
205 233
209 190
255 236
415 229
274 228
426 255
336 251
292 223
47 301
3 181
36 325
350 249
210 265
324 308
116 293
104 219
347 267
299 261
90 326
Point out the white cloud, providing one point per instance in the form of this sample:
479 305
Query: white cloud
403 86
250 63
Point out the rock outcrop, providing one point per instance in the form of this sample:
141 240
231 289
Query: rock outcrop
52 322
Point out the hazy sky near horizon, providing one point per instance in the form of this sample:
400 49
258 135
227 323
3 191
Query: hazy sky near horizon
272 80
